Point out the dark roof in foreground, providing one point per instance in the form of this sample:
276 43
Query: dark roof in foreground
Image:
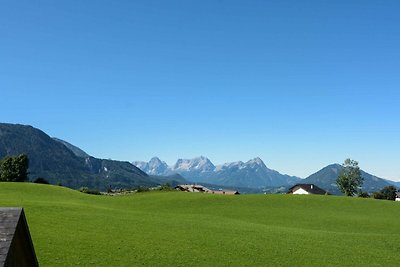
16 247
310 188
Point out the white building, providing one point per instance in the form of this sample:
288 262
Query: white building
306 189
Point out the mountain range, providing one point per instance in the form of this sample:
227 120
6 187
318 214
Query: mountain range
60 162
253 173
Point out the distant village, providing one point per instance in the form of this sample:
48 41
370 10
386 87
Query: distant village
298 189
202 189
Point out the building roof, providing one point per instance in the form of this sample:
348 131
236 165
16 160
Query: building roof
203 189
16 247
310 188
192 188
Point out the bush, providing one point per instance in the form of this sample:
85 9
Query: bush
363 195
142 189
378 195
165 187
89 191
389 192
40 180
109 189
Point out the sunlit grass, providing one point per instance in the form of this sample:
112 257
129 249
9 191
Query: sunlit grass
70 228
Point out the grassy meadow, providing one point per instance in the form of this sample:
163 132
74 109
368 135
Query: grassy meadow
70 228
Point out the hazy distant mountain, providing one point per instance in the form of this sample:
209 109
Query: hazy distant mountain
184 167
76 150
154 167
396 184
326 179
172 179
196 170
253 174
57 161
200 164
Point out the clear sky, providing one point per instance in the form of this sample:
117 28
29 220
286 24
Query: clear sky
301 84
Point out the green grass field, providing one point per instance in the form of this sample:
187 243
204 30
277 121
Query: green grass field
70 228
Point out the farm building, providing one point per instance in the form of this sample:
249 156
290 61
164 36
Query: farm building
193 188
397 196
16 247
203 189
306 189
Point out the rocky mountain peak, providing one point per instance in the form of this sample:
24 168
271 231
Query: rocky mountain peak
196 164
256 162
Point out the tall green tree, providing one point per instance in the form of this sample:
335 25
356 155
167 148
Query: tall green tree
14 169
349 179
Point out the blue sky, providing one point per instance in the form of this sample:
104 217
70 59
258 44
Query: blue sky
301 84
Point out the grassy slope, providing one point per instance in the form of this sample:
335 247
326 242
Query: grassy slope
182 229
